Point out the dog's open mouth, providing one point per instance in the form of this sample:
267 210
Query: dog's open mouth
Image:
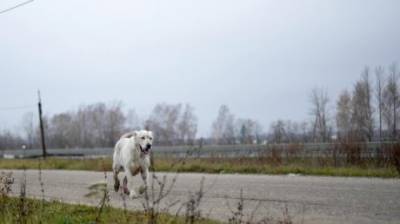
145 150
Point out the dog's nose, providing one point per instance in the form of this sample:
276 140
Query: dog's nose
148 146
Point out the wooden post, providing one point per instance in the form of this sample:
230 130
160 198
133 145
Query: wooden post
41 127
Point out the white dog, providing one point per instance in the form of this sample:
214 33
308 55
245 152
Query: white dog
132 155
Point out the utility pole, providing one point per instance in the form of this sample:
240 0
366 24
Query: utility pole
41 126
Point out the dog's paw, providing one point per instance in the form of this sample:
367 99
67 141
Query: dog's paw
125 190
142 189
116 186
132 194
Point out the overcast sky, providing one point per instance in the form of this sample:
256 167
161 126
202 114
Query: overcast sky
261 58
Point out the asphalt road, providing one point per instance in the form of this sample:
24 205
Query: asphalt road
307 199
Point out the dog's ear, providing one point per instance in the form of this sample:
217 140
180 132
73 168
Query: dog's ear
135 134
129 134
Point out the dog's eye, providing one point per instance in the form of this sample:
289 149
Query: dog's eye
151 138
143 137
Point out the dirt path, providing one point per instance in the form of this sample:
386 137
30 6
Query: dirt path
308 199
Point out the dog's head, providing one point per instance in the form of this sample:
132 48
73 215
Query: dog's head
144 139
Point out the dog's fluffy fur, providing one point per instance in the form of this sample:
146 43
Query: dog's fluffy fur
132 155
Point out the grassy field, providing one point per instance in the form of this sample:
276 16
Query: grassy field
15 210
216 165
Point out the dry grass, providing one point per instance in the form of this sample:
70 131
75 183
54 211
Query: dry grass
57 212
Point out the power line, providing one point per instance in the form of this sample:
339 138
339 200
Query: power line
16 6
17 107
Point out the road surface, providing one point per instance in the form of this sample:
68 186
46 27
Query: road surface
308 199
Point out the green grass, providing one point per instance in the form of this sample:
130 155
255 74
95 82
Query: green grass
32 211
218 165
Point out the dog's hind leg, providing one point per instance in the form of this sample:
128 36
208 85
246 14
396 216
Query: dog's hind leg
125 186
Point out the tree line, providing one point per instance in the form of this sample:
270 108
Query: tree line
101 124
367 112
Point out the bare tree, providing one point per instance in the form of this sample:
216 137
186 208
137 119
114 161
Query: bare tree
114 123
29 129
82 128
305 131
319 112
369 108
343 115
248 131
292 131
9 140
278 132
288 132
163 121
258 132
90 124
391 99
132 121
379 72
59 131
94 125
187 125
97 128
223 131
362 110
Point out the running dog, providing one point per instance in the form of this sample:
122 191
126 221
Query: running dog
132 155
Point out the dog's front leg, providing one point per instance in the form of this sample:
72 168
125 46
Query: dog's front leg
145 176
129 176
